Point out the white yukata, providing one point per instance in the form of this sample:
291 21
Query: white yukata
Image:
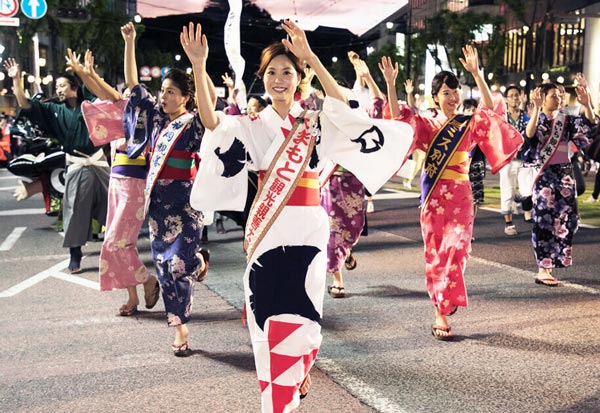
284 282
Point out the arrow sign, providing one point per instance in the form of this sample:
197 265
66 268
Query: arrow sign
34 9
8 8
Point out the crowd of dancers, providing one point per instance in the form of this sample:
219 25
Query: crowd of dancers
317 156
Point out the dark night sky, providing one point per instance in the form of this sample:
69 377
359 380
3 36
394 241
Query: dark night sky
257 31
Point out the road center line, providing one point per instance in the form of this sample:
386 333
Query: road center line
12 238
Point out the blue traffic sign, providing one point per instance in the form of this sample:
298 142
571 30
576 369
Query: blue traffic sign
34 9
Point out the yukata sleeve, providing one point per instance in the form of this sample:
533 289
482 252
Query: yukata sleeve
583 131
138 122
221 183
497 139
372 149
104 120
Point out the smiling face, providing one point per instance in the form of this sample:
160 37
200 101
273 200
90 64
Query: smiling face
281 79
64 90
172 101
448 99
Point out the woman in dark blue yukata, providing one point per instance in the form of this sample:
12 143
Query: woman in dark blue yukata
173 134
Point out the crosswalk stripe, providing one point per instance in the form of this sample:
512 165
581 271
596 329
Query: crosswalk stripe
12 238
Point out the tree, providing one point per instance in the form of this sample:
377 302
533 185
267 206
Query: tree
453 31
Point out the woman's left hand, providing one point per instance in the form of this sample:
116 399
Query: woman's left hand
298 44
194 43
471 59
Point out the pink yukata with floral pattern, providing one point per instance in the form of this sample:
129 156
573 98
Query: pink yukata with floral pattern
447 216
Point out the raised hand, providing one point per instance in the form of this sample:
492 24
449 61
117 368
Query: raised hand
12 67
73 61
471 59
298 44
583 96
128 32
354 57
537 97
580 80
88 63
227 81
389 70
194 43
409 88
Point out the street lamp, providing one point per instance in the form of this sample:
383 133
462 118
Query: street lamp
523 83
560 80
389 25
137 18
334 59
177 57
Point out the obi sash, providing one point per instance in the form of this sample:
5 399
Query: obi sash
75 162
162 149
283 176
125 166
551 145
440 152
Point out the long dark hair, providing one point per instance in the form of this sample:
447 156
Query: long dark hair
185 83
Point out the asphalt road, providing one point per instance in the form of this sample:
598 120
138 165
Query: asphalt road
519 347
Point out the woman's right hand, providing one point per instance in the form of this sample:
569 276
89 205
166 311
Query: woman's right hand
12 67
128 32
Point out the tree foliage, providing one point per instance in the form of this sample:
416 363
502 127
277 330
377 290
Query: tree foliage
455 30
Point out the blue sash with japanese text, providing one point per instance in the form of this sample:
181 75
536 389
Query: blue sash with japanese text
440 152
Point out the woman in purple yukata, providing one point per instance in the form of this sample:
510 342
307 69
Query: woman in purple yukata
287 230
554 194
446 196
172 133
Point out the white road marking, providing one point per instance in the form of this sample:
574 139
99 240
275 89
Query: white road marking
13 177
7 188
581 224
357 387
24 211
14 290
12 238
33 258
55 272
77 280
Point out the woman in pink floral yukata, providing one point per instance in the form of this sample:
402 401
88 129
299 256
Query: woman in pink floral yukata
446 197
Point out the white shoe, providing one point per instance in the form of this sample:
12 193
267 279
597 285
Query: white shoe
590 200
370 207
510 230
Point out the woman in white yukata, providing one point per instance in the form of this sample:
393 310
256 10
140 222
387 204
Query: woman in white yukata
287 231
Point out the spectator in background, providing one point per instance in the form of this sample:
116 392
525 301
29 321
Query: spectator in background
516 173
